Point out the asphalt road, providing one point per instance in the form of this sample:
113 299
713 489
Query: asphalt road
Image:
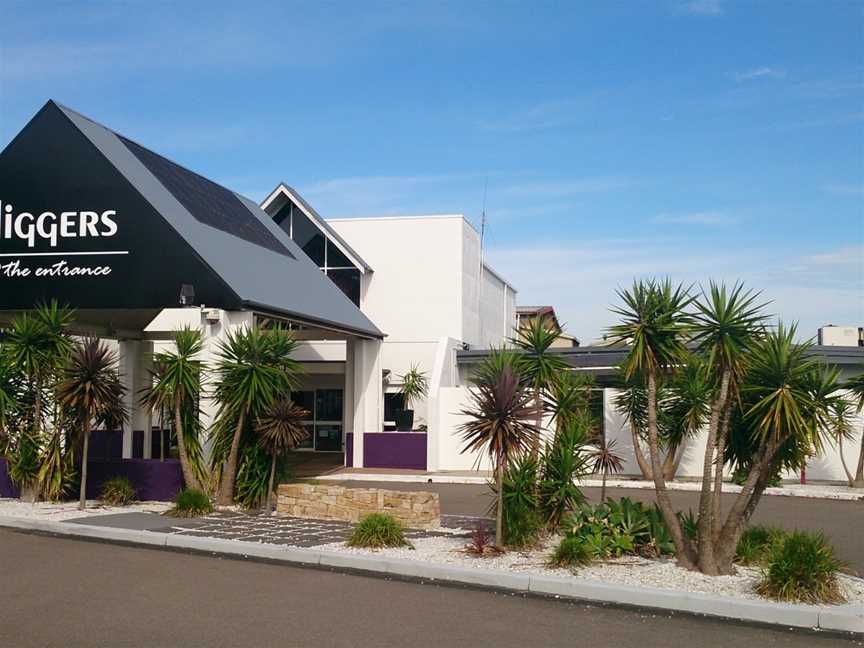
841 521
67 593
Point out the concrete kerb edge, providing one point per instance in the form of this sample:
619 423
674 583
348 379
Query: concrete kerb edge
847 619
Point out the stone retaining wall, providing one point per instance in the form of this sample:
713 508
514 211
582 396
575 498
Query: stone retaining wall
414 509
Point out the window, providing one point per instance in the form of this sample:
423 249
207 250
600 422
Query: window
392 403
308 237
348 281
320 249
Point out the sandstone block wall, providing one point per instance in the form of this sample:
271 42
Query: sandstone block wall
416 510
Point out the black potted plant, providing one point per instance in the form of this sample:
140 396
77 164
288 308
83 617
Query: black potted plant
415 386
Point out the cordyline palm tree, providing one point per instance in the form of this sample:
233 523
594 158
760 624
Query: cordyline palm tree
654 324
856 386
91 388
725 325
783 422
499 426
568 397
537 365
606 461
177 388
280 430
38 345
255 368
631 400
686 409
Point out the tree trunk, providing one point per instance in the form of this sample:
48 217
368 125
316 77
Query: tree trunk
720 461
742 508
670 466
499 506
538 421
226 491
37 409
82 496
679 455
705 550
267 509
188 475
858 482
849 479
640 456
725 550
684 551
162 436
603 489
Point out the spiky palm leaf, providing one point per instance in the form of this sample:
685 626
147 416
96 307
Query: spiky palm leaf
91 388
498 426
281 428
654 323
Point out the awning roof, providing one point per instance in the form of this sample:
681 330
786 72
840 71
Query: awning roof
239 257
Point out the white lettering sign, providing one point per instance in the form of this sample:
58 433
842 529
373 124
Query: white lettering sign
51 227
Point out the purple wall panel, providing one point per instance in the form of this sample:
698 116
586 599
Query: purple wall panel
394 450
7 488
349 450
152 479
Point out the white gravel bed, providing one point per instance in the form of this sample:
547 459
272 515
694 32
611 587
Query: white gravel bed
69 510
632 570
814 491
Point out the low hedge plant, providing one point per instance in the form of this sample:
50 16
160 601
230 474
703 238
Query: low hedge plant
190 503
117 491
801 568
378 531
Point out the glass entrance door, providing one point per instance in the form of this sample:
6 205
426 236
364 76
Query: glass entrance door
324 422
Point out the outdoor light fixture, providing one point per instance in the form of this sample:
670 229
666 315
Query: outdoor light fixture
187 294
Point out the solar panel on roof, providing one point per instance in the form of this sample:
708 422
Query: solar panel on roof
207 201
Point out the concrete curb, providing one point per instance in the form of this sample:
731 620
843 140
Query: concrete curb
843 618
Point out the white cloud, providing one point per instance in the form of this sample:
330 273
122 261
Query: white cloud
580 279
702 7
708 218
763 72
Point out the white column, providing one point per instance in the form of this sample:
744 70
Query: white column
135 358
368 393
348 394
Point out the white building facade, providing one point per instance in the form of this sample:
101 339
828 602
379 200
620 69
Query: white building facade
423 282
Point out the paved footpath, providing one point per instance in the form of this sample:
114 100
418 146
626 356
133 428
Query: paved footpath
61 592
841 521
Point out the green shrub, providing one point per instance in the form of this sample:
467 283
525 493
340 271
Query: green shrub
755 542
618 527
689 524
253 476
191 503
739 476
378 530
564 462
118 491
522 520
802 567
572 552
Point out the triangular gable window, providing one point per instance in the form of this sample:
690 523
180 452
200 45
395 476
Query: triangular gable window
320 248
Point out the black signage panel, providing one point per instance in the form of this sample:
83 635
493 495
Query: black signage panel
73 228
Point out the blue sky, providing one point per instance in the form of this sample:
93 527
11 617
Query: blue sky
690 139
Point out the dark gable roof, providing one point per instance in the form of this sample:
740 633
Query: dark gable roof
237 240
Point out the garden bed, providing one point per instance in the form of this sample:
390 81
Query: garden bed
629 570
69 510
